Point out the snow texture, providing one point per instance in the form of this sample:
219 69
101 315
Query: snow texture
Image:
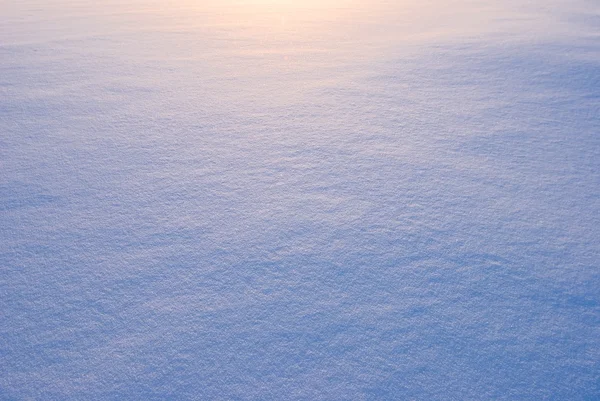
299 200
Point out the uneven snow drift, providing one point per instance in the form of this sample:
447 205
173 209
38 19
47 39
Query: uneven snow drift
299 200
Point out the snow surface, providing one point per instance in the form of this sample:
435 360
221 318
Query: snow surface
299 200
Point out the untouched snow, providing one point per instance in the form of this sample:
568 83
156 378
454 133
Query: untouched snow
299 200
